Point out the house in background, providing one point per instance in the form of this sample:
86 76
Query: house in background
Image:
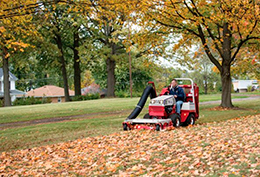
56 94
93 89
13 91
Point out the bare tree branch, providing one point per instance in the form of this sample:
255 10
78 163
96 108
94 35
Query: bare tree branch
207 50
178 27
240 45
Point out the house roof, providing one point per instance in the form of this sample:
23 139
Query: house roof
12 77
49 91
14 92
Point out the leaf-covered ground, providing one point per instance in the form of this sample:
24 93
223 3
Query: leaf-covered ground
230 148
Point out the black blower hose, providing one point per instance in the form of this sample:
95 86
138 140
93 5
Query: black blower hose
147 91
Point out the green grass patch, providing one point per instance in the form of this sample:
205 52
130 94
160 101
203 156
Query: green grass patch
215 97
244 108
250 93
31 136
99 124
33 112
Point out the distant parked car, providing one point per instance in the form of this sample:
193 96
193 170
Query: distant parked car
241 86
255 87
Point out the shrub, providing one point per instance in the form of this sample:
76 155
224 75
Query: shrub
126 94
2 103
46 100
30 101
122 94
249 88
88 96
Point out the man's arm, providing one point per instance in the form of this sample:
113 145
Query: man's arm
181 93
165 91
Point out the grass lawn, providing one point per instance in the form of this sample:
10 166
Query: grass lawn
100 123
209 114
215 97
249 93
33 112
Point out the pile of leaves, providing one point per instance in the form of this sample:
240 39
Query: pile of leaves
222 149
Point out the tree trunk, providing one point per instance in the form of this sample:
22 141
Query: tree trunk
225 71
7 97
206 85
63 68
226 63
111 81
77 83
226 87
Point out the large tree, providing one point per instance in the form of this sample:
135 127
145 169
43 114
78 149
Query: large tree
14 30
223 27
16 26
62 28
108 22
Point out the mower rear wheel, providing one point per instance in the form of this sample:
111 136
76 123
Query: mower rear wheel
175 120
158 127
147 116
190 120
125 127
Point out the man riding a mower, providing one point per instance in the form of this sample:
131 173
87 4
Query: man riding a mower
164 110
178 94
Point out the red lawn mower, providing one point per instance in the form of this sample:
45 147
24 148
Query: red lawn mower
162 114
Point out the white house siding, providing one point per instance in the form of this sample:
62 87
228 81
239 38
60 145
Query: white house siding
12 85
13 98
1 86
13 91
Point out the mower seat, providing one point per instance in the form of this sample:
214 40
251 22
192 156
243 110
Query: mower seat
187 91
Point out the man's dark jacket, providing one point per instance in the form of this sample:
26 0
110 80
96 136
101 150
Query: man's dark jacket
179 92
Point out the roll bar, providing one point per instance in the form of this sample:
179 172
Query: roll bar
192 86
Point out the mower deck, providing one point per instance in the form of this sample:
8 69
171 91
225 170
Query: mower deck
148 121
149 124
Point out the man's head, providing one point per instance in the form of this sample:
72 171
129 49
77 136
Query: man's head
174 83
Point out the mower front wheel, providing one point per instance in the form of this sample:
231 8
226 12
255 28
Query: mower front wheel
147 116
175 120
125 127
158 127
